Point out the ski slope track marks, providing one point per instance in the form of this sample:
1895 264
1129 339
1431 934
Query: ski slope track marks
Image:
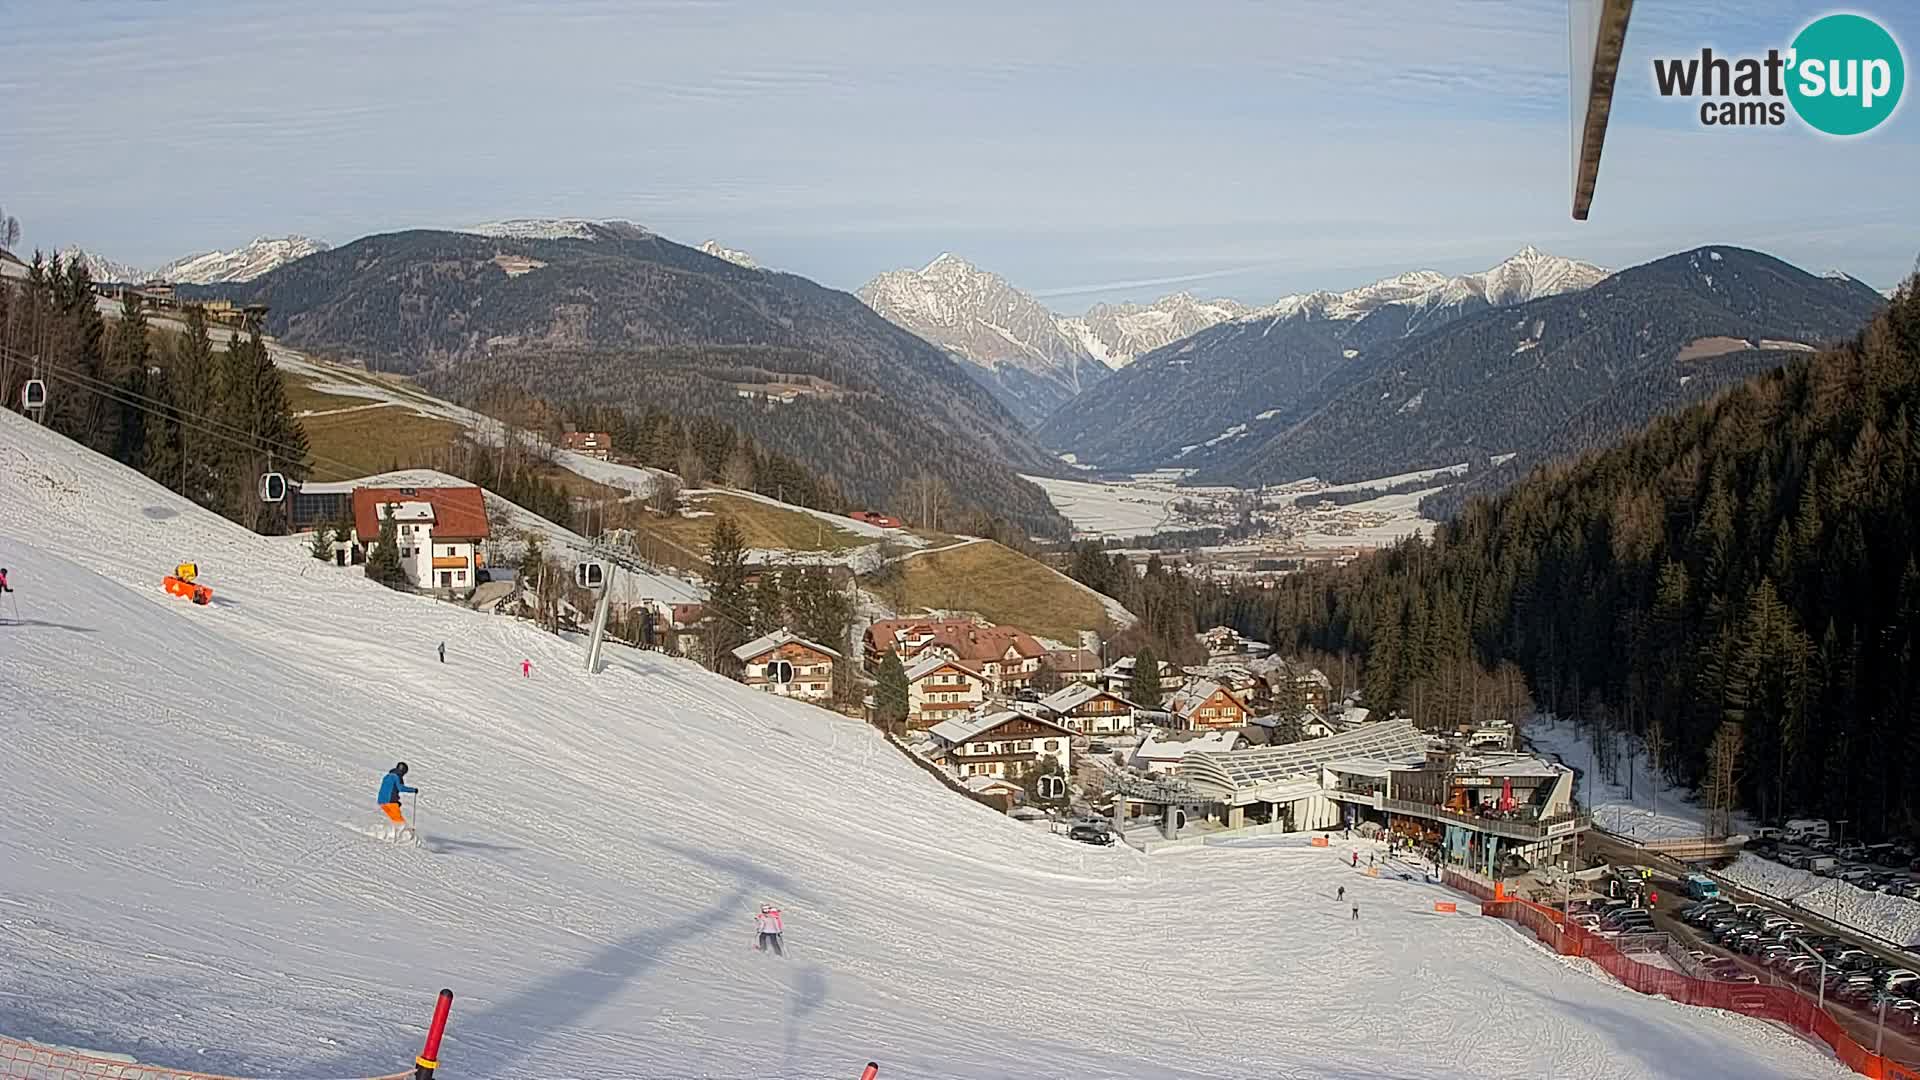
175 884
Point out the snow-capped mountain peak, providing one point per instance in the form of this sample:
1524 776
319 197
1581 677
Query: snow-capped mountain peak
732 255
565 228
241 264
101 268
1528 274
209 267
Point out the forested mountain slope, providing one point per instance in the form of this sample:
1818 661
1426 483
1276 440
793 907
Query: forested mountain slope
1602 360
635 320
1743 569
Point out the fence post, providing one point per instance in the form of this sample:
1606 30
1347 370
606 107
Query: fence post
429 1058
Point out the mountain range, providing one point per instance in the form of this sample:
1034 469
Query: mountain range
1272 362
609 313
209 267
1547 377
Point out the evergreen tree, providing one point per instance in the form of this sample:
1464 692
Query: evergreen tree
1146 679
890 692
383 562
322 546
1046 678
729 606
769 609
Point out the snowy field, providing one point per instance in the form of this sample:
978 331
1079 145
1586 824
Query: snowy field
1894 918
1649 811
1116 510
1145 505
183 880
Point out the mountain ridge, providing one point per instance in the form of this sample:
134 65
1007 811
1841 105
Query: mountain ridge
262 255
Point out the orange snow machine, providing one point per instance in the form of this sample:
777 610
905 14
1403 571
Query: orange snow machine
183 582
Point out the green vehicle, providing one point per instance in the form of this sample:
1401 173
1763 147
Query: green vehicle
1702 887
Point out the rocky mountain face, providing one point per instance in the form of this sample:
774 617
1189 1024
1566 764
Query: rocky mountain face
607 313
209 267
1118 334
1207 396
1006 339
732 255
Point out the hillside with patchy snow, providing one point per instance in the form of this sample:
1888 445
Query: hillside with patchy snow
186 879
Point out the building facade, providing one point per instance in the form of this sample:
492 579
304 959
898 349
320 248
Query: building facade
780 663
940 689
1007 745
1089 710
440 532
1204 705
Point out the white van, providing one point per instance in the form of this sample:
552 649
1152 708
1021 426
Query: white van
1808 829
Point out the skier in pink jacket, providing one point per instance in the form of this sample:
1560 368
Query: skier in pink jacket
768 923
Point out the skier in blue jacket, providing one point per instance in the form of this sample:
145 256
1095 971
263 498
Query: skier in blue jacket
391 785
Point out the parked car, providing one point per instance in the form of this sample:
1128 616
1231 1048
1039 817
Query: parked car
1894 978
1088 833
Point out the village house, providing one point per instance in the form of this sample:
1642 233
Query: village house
1223 642
780 663
940 689
440 532
1204 704
1007 745
1290 681
1007 656
686 620
1117 677
1075 665
593 444
1089 710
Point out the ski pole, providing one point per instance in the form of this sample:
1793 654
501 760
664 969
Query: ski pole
419 801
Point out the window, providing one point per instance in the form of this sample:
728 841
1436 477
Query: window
1052 745
1025 745
460 576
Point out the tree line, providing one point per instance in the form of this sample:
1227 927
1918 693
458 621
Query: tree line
207 423
1734 589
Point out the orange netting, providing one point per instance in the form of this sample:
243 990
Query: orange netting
34 1061
1780 1004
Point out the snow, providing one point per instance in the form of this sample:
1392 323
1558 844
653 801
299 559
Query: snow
1652 811
1892 918
1268 415
1397 479
732 255
1501 459
179 884
550 228
1528 274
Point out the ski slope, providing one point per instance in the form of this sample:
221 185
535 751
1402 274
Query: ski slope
176 881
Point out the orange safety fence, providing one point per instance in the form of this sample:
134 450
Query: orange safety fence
1780 1004
36 1061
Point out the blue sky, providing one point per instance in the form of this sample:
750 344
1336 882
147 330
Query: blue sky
1086 151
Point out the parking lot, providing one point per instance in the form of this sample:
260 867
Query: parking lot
1887 868
1734 940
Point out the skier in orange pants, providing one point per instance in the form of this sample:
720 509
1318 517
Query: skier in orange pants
391 786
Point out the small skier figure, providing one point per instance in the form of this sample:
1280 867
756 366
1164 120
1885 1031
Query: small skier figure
1341 894
526 669
1356 859
1369 860
391 787
1356 913
4 587
768 923
443 652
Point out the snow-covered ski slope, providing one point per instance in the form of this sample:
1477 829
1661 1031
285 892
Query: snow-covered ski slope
176 883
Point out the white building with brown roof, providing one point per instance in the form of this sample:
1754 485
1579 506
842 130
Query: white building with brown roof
1089 710
939 689
1008 745
440 531
781 663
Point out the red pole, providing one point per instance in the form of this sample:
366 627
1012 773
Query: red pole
429 1058
872 1070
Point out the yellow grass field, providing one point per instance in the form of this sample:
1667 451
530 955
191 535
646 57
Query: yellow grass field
1001 584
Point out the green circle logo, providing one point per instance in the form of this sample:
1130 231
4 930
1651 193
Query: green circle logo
1847 74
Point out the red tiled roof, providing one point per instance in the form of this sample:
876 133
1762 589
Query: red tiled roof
459 513
972 644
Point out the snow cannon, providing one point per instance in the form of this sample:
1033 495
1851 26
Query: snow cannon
184 581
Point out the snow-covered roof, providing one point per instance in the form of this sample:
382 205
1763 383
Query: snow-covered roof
1068 698
1518 768
1394 741
967 728
1362 767
1176 746
927 665
769 642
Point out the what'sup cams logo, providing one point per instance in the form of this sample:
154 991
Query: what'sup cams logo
1842 75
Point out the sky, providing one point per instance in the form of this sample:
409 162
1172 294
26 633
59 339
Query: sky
1087 152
